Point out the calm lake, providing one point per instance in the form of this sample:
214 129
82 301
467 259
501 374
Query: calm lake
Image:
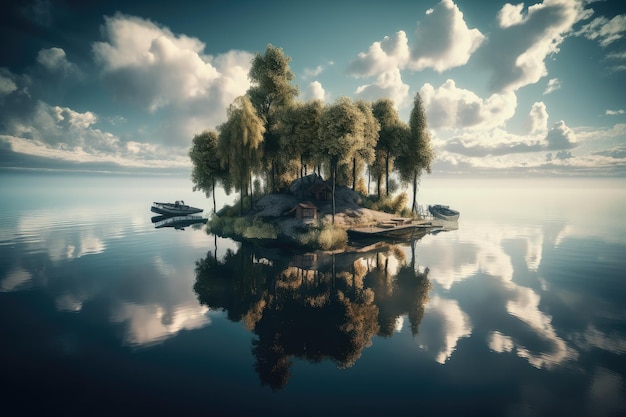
518 312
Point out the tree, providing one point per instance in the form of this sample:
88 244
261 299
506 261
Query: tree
299 126
207 170
239 144
392 130
271 89
341 128
367 142
417 154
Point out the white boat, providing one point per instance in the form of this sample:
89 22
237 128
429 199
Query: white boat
443 212
179 208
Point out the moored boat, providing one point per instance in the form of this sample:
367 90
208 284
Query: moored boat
443 212
179 208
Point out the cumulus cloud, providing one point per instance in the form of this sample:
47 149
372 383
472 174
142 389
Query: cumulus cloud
389 54
614 112
314 91
517 50
64 134
443 40
537 121
450 107
605 31
560 137
388 84
54 59
150 66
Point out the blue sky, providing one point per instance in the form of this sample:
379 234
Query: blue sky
509 88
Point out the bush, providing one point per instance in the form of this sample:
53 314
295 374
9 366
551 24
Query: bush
332 238
260 230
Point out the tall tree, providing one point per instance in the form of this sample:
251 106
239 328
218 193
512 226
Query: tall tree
417 154
367 142
392 130
271 89
340 133
207 170
299 127
239 146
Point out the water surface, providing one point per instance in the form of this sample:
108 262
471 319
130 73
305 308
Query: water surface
519 311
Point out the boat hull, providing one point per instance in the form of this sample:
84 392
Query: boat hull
443 213
169 209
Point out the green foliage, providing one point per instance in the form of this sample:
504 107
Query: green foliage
332 238
260 230
395 205
325 236
238 226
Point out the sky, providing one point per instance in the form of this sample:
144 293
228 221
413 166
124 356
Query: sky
526 89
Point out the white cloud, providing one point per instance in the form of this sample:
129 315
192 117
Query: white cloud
614 112
388 84
560 137
604 30
314 91
54 59
537 121
390 54
7 85
553 85
148 65
510 15
450 107
313 72
443 40
516 52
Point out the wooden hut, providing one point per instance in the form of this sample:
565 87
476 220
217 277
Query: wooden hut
304 211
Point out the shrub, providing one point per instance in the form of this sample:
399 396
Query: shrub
260 230
332 237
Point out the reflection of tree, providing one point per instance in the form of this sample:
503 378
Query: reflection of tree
316 312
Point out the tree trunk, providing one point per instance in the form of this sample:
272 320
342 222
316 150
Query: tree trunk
414 209
334 175
387 174
353 174
379 181
214 205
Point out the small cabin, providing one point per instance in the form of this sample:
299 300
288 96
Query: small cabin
321 192
304 211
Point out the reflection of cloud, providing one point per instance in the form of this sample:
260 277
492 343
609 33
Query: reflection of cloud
15 279
593 337
152 323
46 232
443 325
499 342
526 308
69 302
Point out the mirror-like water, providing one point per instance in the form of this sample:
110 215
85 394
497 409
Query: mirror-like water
517 312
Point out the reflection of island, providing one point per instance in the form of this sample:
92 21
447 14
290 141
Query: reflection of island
313 306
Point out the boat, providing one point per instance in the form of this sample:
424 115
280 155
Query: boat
179 222
179 208
443 212
402 229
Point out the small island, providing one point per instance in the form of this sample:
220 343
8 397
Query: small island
304 170
302 217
